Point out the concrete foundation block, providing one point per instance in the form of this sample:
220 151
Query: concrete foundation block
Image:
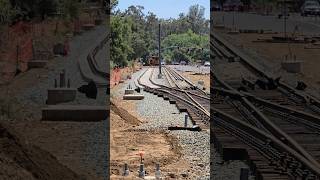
129 91
60 95
292 66
201 83
37 64
133 97
74 113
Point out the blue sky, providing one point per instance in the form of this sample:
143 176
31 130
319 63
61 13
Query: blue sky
166 8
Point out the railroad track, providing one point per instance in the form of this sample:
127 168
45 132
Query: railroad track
188 99
89 68
278 126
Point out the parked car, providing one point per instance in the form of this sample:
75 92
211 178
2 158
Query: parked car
183 62
207 63
310 8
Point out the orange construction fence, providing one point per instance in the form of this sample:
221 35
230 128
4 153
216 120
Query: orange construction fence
119 74
18 43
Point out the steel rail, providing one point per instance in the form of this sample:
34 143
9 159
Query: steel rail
199 111
190 97
182 90
246 60
188 81
268 124
256 134
196 104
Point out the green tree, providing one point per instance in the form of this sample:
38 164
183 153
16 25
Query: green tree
70 8
7 12
34 8
139 46
135 34
178 55
197 20
192 45
121 36
113 4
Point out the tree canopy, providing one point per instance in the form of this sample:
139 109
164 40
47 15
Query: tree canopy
141 34
187 46
14 10
121 39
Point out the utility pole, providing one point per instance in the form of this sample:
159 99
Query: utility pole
285 19
159 51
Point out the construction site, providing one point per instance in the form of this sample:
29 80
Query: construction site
54 87
96 90
265 93
160 103
166 121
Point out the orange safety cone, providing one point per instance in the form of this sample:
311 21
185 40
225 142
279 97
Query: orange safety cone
141 153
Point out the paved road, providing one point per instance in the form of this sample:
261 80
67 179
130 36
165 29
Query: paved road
307 25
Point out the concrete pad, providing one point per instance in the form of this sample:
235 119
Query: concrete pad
133 97
129 91
37 64
60 95
74 113
150 178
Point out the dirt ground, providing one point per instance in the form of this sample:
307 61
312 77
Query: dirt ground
274 54
58 149
20 159
60 141
126 143
194 77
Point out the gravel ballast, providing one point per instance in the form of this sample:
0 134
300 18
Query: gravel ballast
195 145
160 114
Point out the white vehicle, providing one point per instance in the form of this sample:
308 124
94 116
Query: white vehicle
310 8
183 63
207 63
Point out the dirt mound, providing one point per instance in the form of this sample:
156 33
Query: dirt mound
124 114
20 160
